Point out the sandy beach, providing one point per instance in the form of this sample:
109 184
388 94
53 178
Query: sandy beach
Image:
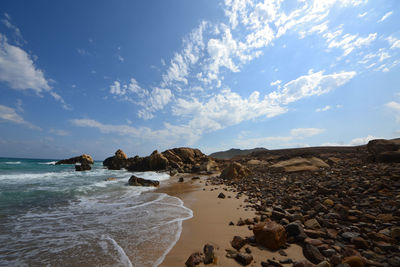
210 224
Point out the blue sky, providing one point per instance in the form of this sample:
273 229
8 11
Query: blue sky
94 76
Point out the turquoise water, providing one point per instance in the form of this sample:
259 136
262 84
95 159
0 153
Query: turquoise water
51 215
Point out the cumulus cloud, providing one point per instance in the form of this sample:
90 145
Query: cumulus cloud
8 114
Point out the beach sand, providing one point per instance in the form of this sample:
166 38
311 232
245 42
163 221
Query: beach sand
210 224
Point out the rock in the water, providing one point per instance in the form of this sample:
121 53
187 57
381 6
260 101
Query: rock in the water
270 235
194 259
208 254
238 242
235 171
221 195
298 164
116 162
85 158
82 167
136 181
312 254
244 258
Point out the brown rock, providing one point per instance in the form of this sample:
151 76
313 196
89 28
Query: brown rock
194 259
235 171
244 258
221 195
208 254
270 235
303 263
84 158
238 242
395 232
157 161
82 167
312 254
312 224
120 154
328 202
136 181
354 261
360 242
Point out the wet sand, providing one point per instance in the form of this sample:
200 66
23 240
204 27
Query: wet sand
210 224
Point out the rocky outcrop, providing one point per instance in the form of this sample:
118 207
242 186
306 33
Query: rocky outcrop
82 167
136 181
235 171
85 158
298 164
270 235
116 162
385 151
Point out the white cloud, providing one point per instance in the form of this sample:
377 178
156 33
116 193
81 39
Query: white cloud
326 108
394 42
362 140
305 132
10 115
17 32
277 82
362 15
384 17
18 70
350 42
158 98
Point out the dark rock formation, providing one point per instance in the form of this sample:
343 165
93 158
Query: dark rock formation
136 181
83 167
382 150
85 158
233 152
208 254
116 162
244 259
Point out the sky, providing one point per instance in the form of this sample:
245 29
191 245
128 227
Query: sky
95 76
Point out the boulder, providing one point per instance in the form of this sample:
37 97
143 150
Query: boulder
85 158
299 164
194 259
157 161
270 235
235 171
83 167
136 181
116 162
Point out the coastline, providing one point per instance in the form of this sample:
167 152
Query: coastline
210 224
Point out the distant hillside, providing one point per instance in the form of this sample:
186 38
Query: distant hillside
228 154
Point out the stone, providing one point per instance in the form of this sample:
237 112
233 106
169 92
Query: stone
180 180
312 254
295 230
120 154
111 179
395 232
271 263
208 254
360 242
303 263
238 242
299 164
349 235
194 259
354 261
324 264
244 258
136 181
84 158
221 195
312 224
328 202
82 167
235 171
270 235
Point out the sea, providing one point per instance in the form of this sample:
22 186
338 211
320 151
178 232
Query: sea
51 215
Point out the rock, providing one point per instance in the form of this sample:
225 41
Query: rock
221 195
270 235
349 235
244 258
303 263
116 162
85 158
82 167
157 161
360 242
208 254
298 164
180 180
235 171
395 232
324 264
312 224
136 181
271 263
209 166
354 261
238 242
111 179
312 254
295 230
328 202
194 259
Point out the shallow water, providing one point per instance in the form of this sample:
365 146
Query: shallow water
51 215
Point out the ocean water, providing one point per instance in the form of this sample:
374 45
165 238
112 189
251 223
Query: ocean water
51 215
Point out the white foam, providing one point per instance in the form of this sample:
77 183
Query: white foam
124 259
12 162
48 163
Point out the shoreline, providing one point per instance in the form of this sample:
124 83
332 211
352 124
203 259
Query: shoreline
210 224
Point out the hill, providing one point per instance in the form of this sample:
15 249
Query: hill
228 154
